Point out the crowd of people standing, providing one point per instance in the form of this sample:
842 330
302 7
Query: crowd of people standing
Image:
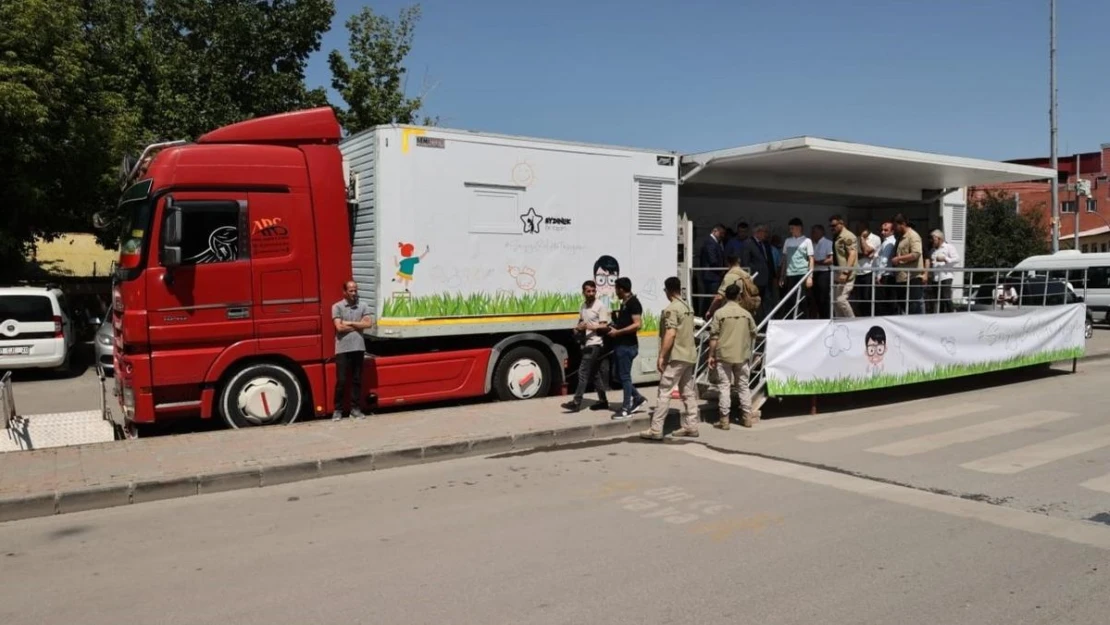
848 271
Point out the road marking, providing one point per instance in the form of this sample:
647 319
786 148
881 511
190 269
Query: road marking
1035 455
1101 484
1074 531
971 433
936 413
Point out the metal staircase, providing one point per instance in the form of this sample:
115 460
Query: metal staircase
788 307
24 432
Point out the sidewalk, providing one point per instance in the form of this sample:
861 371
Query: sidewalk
70 479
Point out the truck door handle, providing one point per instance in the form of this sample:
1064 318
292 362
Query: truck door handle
238 313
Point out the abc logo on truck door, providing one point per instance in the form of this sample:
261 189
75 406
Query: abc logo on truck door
269 237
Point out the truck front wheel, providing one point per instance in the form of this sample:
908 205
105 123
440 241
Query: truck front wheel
522 373
261 394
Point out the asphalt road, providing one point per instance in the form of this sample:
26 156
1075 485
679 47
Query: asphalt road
811 524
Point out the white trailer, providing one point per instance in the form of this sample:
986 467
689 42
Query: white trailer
461 233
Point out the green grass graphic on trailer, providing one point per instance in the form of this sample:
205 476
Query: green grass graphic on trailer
485 304
793 386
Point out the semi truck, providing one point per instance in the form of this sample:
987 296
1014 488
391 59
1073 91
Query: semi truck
471 248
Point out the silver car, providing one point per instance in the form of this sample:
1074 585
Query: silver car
103 342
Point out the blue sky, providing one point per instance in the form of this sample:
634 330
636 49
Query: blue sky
963 77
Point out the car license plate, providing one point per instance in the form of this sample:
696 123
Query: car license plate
22 350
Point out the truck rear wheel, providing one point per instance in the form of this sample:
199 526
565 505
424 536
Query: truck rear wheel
261 394
522 373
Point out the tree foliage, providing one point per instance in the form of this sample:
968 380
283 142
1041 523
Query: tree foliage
374 86
999 236
83 82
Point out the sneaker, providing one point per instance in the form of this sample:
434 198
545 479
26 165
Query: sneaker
357 414
684 433
337 416
623 415
651 436
599 406
637 405
571 406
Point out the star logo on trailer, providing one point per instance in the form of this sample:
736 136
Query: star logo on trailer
532 221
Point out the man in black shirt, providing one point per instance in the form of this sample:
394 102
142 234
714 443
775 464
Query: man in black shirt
626 347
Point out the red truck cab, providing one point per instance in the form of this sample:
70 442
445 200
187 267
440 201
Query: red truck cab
230 244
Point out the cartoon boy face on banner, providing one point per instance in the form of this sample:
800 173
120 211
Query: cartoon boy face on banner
606 272
875 349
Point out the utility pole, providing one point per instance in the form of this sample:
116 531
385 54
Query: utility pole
1052 125
1077 200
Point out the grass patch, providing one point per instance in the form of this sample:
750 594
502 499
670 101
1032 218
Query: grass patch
793 386
442 305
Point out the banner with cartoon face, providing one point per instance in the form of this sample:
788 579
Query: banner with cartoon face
815 357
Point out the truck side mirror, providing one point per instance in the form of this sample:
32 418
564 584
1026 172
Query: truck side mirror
171 234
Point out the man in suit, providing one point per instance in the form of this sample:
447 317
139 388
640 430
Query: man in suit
711 259
763 261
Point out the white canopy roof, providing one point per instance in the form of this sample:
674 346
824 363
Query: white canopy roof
810 164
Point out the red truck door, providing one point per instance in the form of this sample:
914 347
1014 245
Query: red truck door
204 306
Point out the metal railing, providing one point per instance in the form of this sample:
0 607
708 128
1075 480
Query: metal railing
979 289
789 306
939 290
7 402
696 280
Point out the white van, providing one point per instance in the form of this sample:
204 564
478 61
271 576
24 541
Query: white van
35 330
1071 265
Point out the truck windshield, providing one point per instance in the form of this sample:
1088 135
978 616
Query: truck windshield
135 207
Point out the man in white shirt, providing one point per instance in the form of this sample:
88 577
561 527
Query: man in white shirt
823 260
885 302
797 262
869 246
593 322
944 256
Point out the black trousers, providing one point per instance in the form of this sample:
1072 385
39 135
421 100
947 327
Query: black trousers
348 368
593 368
822 296
862 294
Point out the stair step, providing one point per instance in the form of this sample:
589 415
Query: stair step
61 429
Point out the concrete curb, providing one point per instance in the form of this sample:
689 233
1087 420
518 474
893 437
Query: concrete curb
109 496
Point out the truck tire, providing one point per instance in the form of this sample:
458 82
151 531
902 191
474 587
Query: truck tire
522 373
261 394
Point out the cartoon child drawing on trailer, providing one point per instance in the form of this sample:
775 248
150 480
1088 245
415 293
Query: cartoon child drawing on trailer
606 272
407 264
875 346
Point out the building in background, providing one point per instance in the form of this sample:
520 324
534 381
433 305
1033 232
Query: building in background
1094 211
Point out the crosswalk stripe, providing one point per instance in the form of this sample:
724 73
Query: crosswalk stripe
971 433
1018 460
935 414
1101 484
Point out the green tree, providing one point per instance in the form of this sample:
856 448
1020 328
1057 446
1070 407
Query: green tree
222 61
84 82
62 121
373 83
999 236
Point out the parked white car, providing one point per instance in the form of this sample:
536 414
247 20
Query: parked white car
35 329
